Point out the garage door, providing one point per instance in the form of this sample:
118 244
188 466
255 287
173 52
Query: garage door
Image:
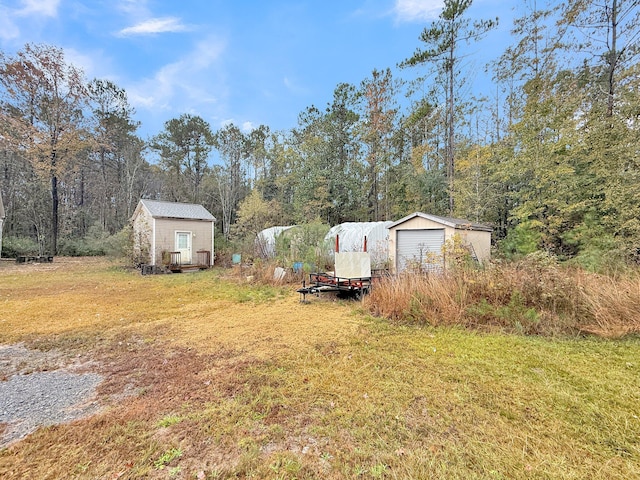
419 249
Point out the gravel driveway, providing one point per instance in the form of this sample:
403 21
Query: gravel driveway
42 388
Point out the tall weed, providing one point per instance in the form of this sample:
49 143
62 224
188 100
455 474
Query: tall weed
613 305
534 296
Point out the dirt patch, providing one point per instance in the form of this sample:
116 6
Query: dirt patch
160 375
43 388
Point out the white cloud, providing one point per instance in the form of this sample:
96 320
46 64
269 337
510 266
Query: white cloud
294 87
94 63
8 29
192 80
12 19
155 25
45 8
245 127
417 10
136 8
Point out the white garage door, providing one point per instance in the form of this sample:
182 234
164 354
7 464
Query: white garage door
419 249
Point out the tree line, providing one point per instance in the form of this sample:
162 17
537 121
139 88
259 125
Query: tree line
547 155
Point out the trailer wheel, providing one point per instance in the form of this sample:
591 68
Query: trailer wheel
359 294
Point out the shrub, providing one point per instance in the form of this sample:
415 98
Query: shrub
13 247
304 243
521 240
121 243
97 242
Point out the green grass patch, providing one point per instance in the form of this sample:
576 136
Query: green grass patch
167 457
169 420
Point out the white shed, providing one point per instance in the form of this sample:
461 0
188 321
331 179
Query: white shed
351 237
419 238
183 232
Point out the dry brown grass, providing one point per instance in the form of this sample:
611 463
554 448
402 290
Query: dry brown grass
613 305
197 308
525 297
165 344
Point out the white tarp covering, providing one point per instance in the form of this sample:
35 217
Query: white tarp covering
351 239
353 265
266 240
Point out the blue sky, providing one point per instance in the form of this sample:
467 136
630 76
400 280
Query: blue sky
246 62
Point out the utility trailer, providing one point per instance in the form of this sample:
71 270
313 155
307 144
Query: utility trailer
351 278
325 282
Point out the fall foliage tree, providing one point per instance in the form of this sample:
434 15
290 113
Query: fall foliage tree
43 100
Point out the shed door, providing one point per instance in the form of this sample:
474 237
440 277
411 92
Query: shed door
183 245
419 249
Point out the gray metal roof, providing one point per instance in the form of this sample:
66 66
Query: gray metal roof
451 222
189 211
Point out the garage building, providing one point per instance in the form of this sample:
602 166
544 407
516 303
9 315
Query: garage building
417 240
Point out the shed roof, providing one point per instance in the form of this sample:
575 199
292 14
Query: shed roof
188 211
457 223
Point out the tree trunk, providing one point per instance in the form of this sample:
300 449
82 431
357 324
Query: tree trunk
54 214
613 58
451 129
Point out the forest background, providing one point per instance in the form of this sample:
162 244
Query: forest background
547 155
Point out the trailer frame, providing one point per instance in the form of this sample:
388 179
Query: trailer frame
327 282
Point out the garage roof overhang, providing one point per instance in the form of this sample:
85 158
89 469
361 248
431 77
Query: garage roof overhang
456 223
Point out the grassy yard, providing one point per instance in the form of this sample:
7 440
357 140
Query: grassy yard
208 377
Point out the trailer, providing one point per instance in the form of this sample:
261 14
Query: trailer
351 278
325 282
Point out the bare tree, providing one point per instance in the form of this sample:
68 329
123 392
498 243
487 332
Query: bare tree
230 178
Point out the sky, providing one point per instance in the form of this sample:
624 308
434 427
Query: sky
249 62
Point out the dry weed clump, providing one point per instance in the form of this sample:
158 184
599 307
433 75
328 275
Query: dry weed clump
431 299
263 272
529 297
613 305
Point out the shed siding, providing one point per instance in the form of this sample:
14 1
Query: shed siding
165 235
480 241
416 223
